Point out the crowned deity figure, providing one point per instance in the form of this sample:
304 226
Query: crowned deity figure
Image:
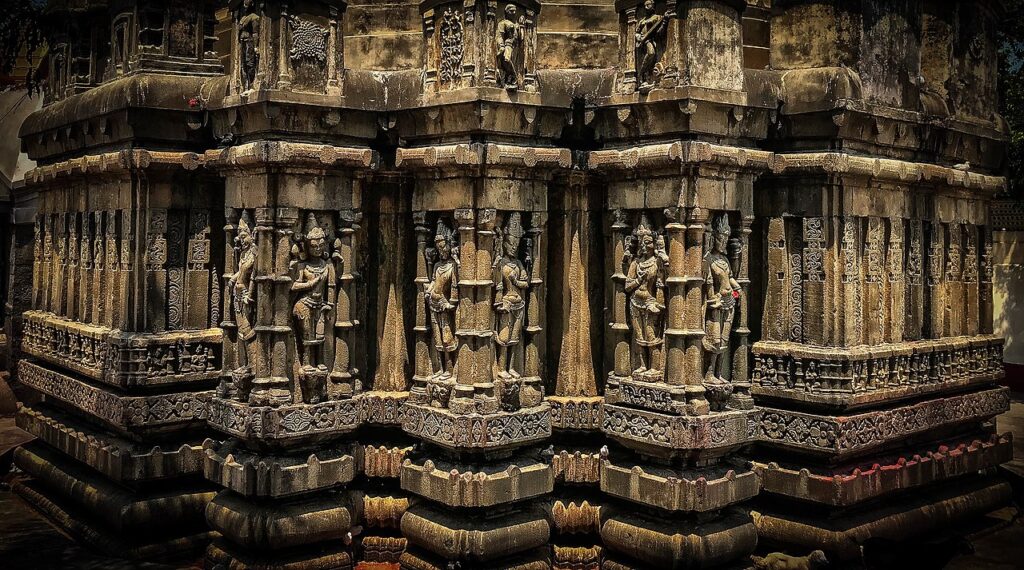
648 32
512 281
314 285
510 41
645 285
241 290
442 296
721 291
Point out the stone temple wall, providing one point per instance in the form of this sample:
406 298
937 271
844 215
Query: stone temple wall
512 284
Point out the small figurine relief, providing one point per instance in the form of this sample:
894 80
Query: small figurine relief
442 296
314 286
645 285
510 43
249 43
511 286
451 38
241 297
649 44
721 294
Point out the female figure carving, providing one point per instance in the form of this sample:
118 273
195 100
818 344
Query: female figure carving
314 284
721 293
241 289
510 39
648 31
442 296
645 285
512 280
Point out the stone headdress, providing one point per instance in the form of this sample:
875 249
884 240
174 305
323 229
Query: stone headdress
721 225
245 223
444 233
313 229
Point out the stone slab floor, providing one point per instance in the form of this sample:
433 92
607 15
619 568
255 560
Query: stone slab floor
27 540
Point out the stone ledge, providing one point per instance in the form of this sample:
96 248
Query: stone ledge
127 414
383 461
692 490
124 360
842 537
575 412
254 475
222 555
661 434
418 559
677 154
846 487
75 523
267 153
457 485
841 437
117 508
115 458
477 431
381 407
850 378
475 539
671 543
289 424
576 466
278 525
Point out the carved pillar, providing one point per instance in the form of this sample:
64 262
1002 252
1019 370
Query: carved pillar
467 366
853 307
273 293
954 306
344 377
620 318
985 286
914 286
935 284
813 269
71 275
423 366
693 274
156 270
99 265
896 283
536 313
675 324
776 297
197 271
971 285
85 269
231 359
741 398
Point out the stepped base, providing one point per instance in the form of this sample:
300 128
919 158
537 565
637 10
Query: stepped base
417 559
221 556
75 523
841 536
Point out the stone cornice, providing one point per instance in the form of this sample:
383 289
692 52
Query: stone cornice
679 153
885 170
279 153
119 163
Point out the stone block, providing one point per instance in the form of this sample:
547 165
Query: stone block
465 485
500 430
280 524
275 476
475 538
575 412
685 490
220 554
290 424
706 436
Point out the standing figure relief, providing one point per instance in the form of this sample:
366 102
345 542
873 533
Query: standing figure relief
249 43
721 293
649 32
512 284
510 44
241 296
442 296
314 287
645 285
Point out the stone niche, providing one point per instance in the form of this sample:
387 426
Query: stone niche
667 44
287 46
480 43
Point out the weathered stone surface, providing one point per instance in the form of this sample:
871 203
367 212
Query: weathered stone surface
668 543
477 539
476 431
279 525
848 485
656 433
843 536
165 412
219 555
256 475
115 457
678 490
286 424
118 509
457 485
840 437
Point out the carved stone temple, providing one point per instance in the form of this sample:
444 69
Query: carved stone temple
518 284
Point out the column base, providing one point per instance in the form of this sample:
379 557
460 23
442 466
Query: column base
220 556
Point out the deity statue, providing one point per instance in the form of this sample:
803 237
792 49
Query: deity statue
314 285
442 295
510 41
248 43
645 285
648 32
512 281
241 289
721 292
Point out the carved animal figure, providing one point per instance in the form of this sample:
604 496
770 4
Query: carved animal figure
780 561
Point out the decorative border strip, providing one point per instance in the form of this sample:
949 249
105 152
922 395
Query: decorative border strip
284 423
477 431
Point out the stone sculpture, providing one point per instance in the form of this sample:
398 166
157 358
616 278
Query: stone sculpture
314 287
249 42
511 285
509 41
442 297
722 293
241 296
649 35
645 284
